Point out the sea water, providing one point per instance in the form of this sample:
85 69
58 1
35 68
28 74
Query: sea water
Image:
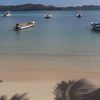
64 33
61 41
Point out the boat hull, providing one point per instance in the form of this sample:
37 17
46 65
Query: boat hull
79 15
47 16
24 26
7 14
95 26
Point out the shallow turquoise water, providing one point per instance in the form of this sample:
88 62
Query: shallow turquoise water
64 33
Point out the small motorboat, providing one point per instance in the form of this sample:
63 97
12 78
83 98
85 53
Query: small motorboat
95 26
47 16
7 14
20 26
79 14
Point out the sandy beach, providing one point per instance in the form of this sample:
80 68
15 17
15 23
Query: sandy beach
38 75
39 83
55 67
40 88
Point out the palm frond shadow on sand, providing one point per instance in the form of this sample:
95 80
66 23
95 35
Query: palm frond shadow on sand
15 97
76 90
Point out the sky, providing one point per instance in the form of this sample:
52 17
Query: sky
52 2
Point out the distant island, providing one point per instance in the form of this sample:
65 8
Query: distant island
30 7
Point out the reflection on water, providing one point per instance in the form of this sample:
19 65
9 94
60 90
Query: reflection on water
95 31
17 34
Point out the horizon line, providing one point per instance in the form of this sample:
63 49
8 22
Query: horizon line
49 5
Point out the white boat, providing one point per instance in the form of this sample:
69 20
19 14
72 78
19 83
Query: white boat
95 26
47 16
20 26
7 14
79 14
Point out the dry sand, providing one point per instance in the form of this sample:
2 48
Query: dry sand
39 83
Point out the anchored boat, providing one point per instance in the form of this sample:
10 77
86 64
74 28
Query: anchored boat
20 26
7 14
79 14
95 26
47 16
